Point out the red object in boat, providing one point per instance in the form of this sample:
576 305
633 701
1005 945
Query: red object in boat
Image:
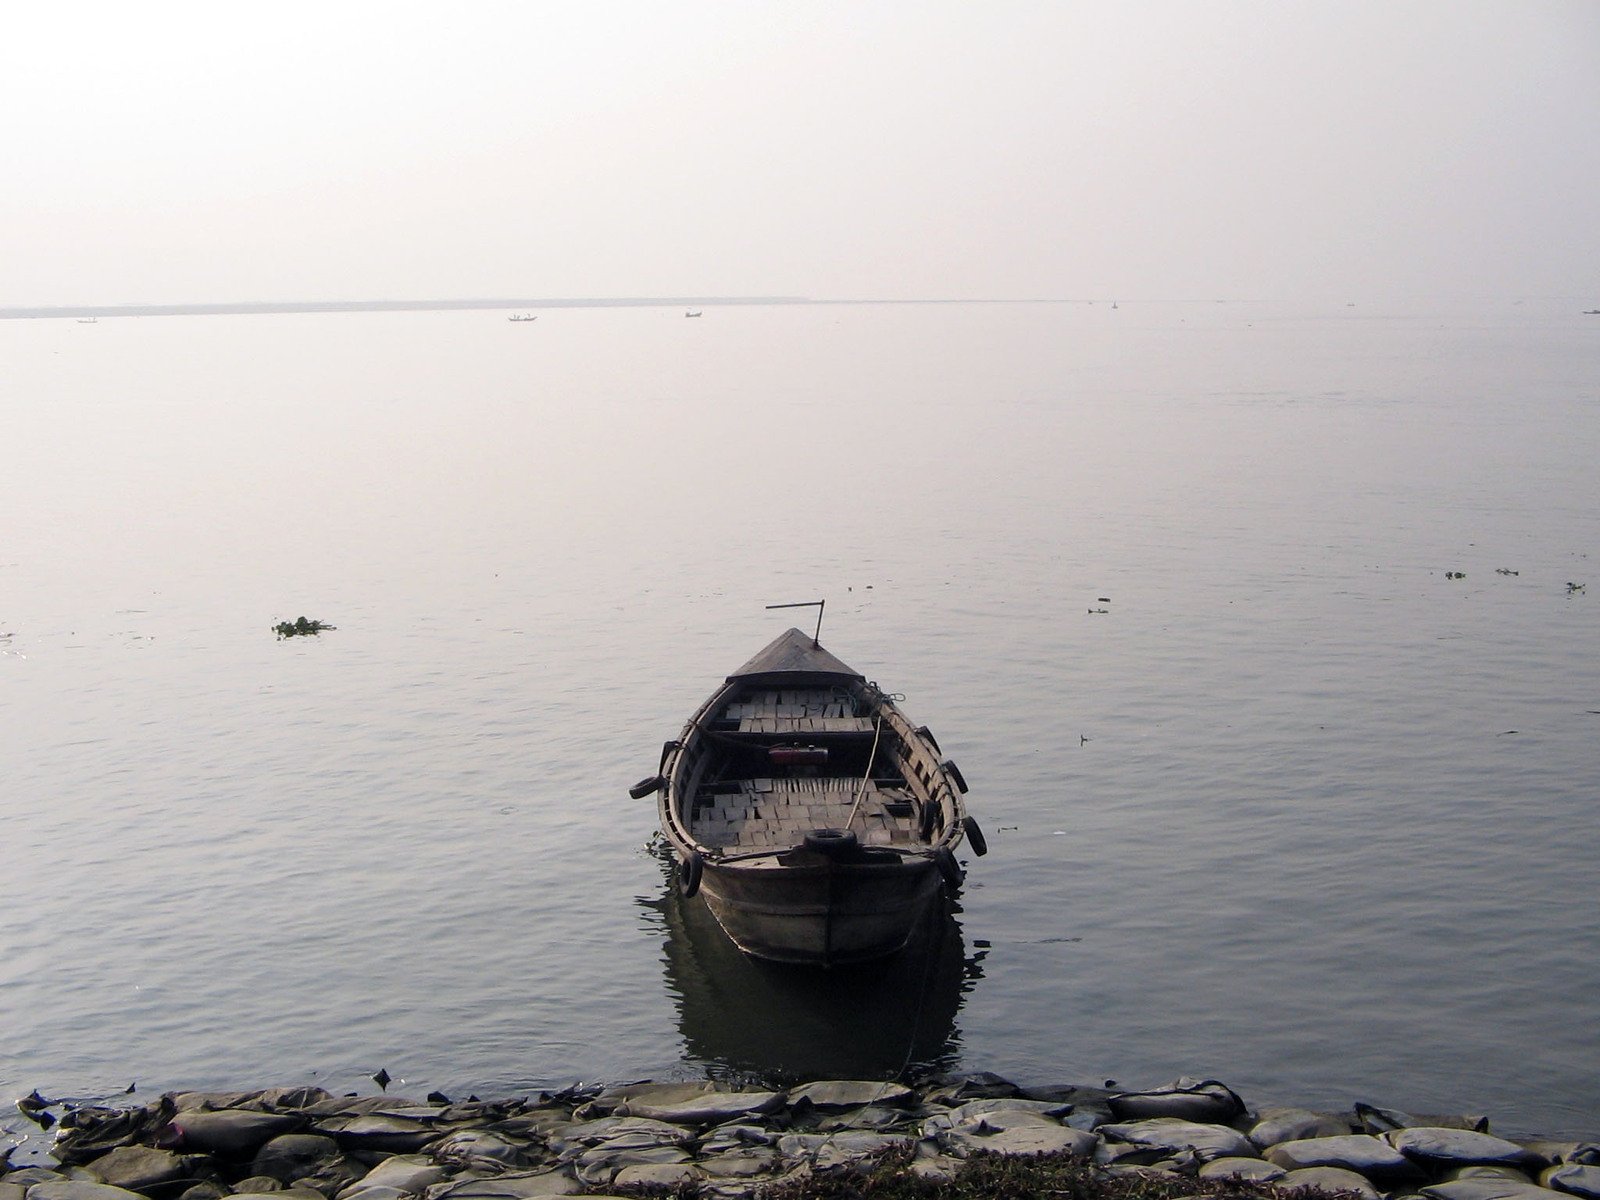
791 756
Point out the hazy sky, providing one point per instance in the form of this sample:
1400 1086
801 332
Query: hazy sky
166 152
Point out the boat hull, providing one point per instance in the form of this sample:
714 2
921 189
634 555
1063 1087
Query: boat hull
816 822
825 913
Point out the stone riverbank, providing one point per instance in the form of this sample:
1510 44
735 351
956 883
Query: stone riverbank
304 1144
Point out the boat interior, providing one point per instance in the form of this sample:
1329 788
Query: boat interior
775 764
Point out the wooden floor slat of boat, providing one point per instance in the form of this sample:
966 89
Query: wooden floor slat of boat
777 813
797 710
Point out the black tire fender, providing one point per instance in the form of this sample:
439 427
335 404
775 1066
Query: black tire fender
645 786
690 871
949 870
980 844
832 842
955 774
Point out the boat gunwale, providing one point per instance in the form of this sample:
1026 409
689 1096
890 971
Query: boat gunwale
670 799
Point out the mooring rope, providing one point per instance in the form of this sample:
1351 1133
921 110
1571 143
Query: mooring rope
861 788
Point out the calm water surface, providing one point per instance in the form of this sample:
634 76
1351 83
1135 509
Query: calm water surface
1270 796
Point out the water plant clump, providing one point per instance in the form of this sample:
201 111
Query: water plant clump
300 628
989 1176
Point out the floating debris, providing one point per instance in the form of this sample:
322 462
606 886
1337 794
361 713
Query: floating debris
1506 571
1455 574
300 628
1575 587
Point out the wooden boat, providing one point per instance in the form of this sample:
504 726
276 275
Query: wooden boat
872 1021
816 821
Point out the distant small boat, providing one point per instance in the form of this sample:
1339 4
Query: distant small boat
692 312
88 320
1591 312
523 317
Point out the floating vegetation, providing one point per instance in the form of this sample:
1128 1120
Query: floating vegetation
1575 587
300 628
1455 574
1506 571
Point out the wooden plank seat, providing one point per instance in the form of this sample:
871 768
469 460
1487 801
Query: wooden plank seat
807 725
797 710
778 813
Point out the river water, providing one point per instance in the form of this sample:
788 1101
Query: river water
1250 627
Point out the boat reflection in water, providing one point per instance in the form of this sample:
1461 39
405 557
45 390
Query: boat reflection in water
743 1016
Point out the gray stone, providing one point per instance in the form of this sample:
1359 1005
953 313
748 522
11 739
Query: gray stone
870 1117
1360 1152
1015 1131
293 1156
479 1148
1577 1179
1489 1187
79 1189
1438 1147
518 1185
617 1133
332 1176
1251 1170
1553 1150
740 1164
664 1175
735 1136
1274 1125
829 1151
206 1189
978 1108
611 1099
600 1165
410 1173
707 1108
139 1167
982 1118
850 1093
382 1133
1329 1179
1185 1099
232 1132
1473 1171
1171 1134
257 1185
535 1124
1376 1120
938 1168
1125 1155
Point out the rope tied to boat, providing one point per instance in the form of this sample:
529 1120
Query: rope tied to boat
866 778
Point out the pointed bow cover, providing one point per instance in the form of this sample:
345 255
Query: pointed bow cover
793 658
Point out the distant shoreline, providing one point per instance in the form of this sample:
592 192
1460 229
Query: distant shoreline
243 308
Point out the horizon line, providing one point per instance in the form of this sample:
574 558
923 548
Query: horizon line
263 307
